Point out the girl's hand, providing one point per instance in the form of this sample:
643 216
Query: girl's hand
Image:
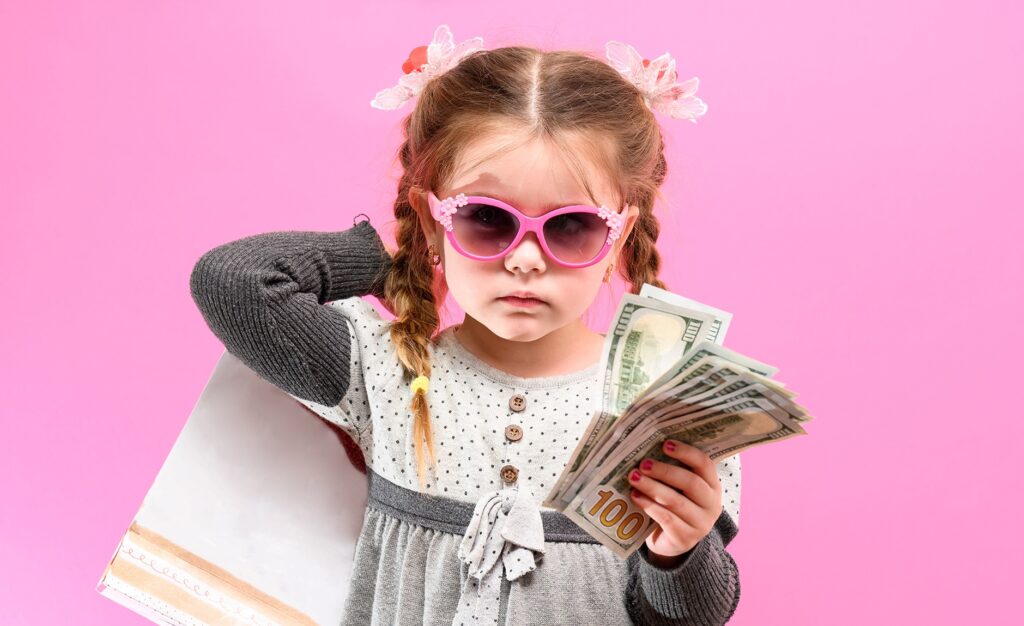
684 501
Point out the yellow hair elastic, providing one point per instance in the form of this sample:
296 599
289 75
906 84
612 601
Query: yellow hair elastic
420 382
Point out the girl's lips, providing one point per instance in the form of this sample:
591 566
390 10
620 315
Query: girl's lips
523 302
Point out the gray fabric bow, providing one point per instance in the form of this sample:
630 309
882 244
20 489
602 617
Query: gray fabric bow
506 525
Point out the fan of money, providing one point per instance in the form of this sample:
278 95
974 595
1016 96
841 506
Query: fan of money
666 375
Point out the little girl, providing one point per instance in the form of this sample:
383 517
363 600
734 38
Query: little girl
528 176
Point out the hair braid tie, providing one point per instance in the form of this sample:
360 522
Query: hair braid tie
420 383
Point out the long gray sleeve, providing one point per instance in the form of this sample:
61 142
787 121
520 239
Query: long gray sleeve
702 590
263 297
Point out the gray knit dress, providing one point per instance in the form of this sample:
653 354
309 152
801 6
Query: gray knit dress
474 546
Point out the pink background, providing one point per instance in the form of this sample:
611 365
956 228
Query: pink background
852 196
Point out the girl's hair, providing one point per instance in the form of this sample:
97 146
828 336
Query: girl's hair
571 99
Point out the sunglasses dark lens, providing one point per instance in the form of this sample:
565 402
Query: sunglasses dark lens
483 229
576 237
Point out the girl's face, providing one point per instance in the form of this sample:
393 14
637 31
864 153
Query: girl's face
533 179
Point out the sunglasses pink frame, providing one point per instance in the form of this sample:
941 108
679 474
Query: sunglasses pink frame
442 210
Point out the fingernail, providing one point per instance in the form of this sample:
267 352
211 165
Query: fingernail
647 465
634 476
670 445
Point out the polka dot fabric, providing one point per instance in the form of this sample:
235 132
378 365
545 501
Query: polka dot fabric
471 404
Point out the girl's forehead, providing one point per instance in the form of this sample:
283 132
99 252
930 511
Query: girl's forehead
534 203
521 193
532 178
511 156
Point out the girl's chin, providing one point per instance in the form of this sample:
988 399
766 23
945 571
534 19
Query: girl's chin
519 328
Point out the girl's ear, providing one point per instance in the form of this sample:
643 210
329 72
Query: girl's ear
634 212
418 200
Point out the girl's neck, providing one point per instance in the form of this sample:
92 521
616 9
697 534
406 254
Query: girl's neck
568 349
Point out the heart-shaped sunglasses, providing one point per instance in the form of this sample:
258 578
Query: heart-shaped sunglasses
485 229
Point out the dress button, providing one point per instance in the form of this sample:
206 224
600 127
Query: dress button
513 432
509 474
517 402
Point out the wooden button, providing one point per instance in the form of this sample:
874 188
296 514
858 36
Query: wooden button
517 402
513 432
509 474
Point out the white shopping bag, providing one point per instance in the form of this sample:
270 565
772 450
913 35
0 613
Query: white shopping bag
252 519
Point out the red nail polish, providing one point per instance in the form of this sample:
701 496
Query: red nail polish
670 446
647 465
634 475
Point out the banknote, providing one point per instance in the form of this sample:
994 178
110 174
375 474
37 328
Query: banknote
708 379
646 338
639 434
603 507
673 376
713 381
676 373
665 375
722 318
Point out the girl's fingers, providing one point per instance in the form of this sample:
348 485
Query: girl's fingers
682 479
694 458
665 496
669 521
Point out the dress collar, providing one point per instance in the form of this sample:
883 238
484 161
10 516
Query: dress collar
446 340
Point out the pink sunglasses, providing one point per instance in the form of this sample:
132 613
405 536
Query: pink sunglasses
485 229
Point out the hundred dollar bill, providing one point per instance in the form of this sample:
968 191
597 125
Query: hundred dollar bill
709 377
603 507
677 373
612 438
623 438
689 367
736 386
722 318
727 382
755 407
714 381
646 338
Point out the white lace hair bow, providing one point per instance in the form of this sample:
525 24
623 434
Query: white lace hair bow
425 63
655 79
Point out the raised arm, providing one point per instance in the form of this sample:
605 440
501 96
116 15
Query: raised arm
263 297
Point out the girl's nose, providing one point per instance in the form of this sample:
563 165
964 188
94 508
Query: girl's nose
527 255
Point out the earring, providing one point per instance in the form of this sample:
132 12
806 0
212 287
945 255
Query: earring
608 272
435 258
